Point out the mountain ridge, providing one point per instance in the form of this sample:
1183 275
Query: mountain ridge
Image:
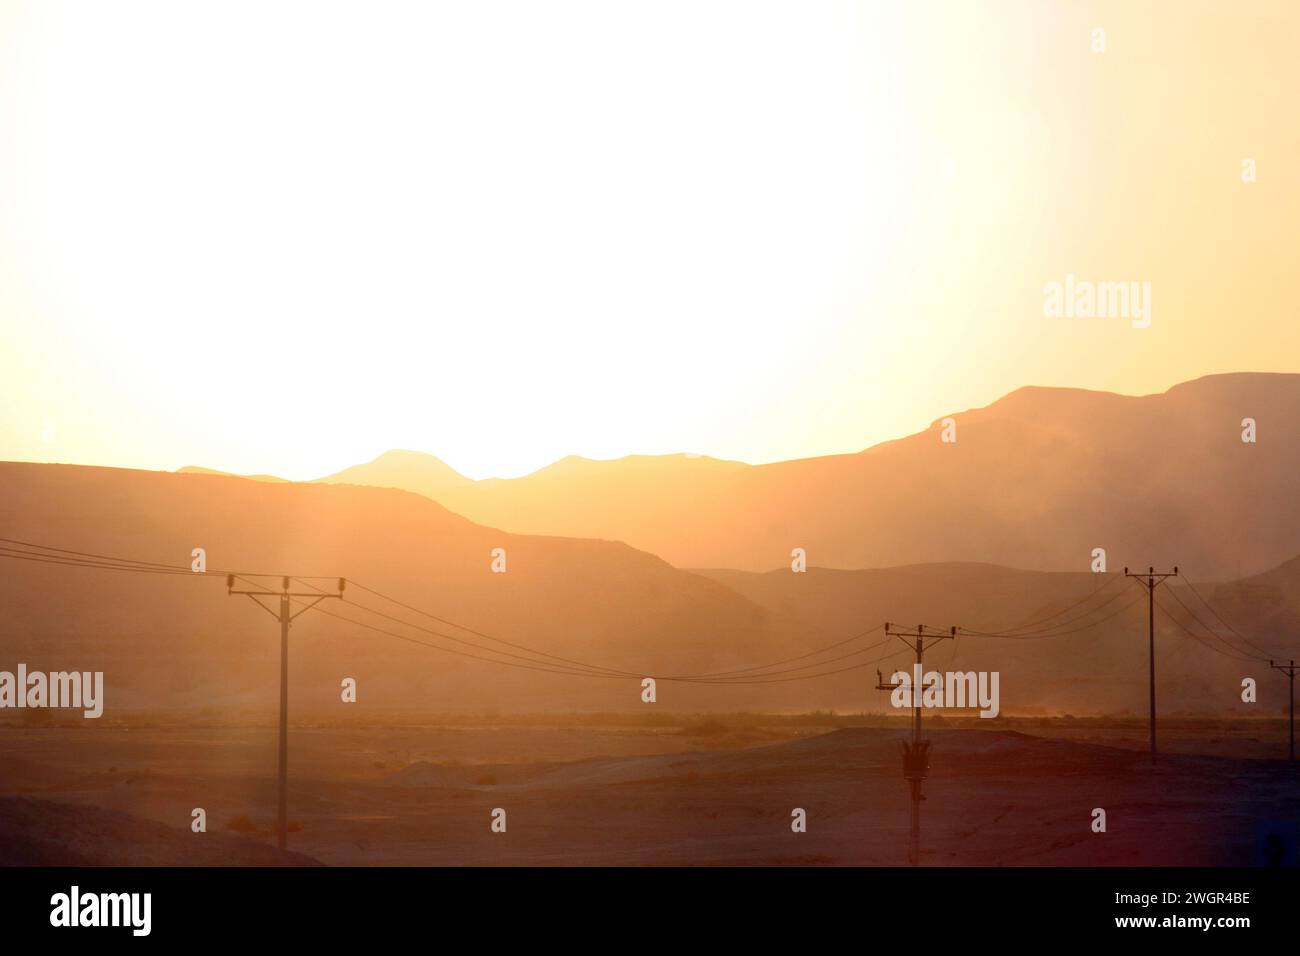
1038 478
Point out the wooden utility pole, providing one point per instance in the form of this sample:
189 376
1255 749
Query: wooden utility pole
916 755
1152 580
285 618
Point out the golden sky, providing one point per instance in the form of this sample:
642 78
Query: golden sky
283 237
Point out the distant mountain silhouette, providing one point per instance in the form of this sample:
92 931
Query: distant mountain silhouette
1038 479
408 470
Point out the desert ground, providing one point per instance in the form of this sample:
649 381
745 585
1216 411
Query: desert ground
593 790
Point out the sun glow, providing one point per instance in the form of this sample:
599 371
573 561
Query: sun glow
283 237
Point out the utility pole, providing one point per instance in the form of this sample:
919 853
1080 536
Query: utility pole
285 617
916 755
1152 580
1289 670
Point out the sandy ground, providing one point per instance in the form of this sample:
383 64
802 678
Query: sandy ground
591 795
37 832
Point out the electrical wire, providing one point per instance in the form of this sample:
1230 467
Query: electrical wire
1191 587
542 660
1110 579
721 675
1048 635
1198 638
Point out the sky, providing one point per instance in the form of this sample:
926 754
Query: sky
282 237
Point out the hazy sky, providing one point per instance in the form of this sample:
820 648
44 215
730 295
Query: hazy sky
283 237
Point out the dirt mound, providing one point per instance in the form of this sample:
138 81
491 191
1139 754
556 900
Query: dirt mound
42 833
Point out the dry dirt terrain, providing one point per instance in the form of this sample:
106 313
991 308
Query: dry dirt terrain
588 794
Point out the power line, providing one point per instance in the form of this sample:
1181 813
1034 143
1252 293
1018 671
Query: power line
397 620
1070 607
1236 653
762 673
74 563
762 678
48 554
722 676
1198 638
1048 635
1219 618
136 564
452 650
572 672
69 558
800 657
476 633
90 554
544 660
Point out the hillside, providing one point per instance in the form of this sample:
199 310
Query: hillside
1037 479
1087 651
169 642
